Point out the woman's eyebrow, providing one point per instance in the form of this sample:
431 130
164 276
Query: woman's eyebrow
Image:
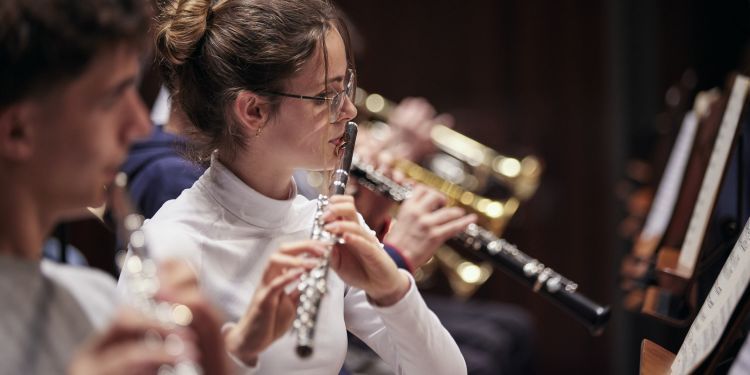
335 79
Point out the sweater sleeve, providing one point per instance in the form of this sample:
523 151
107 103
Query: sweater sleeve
407 335
398 256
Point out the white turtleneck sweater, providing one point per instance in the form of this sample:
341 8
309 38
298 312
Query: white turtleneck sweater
227 231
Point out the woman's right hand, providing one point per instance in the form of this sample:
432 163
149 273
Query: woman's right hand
272 310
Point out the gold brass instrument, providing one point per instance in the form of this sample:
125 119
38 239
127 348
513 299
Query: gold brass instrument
521 176
493 214
462 170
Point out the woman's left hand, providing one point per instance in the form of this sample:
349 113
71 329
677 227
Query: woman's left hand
361 261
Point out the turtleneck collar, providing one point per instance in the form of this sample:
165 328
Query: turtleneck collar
243 201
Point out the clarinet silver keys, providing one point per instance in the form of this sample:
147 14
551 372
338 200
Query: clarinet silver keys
505 256
313 284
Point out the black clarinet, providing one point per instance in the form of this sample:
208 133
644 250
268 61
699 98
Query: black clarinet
505 256
314 284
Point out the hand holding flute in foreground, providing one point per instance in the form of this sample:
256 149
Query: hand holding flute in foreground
133 343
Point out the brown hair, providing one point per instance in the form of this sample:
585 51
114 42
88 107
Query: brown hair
210 52
47 43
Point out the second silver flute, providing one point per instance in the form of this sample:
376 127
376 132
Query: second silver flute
313 285
142 282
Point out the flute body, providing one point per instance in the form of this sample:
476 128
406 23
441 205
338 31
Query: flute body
140 272
314 284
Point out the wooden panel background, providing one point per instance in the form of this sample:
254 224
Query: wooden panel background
576 82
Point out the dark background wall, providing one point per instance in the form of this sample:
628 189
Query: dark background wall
578 83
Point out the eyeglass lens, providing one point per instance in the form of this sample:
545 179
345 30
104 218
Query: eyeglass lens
338 100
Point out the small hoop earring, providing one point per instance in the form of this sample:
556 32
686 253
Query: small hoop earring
257 132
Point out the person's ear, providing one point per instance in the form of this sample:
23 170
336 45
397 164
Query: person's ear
252 111
16 132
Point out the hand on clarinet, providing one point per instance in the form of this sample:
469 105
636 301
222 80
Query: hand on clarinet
412 121
374 207
360 261
423 223
272 310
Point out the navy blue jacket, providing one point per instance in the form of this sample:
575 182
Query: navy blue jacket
158 170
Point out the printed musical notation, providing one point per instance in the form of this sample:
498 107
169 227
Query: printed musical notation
716 311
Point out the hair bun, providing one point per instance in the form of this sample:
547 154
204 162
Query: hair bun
182 25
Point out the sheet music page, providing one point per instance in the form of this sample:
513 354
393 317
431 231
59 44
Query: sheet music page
721 302
712 178
741 364
669 187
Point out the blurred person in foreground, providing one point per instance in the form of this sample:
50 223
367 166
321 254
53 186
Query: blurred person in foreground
68 112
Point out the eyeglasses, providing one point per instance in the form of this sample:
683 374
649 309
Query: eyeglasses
335 102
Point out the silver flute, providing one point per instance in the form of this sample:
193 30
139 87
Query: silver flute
314 284
140 273
504 255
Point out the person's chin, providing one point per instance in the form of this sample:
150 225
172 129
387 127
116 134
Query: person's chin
99 198
319 168
83 212
96 199
320 164
333 164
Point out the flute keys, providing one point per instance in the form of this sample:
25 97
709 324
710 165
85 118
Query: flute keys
309 293
302 284
316 273
134 265
303 331
306 306
181 315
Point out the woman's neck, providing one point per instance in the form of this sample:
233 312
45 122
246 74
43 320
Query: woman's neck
267 177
